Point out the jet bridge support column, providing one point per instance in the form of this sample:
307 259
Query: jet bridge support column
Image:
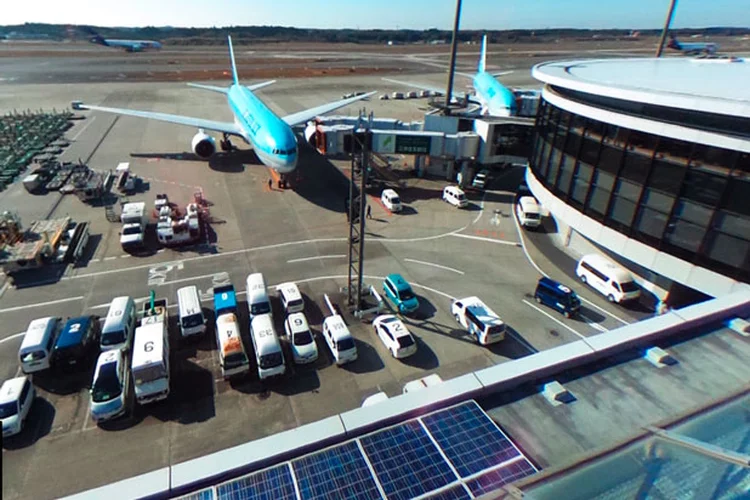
356 206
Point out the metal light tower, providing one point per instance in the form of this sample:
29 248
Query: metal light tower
356 208
667 23
452 68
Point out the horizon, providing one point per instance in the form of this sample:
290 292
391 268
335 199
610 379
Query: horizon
386 15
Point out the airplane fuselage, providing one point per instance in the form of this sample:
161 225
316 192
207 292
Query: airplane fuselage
495 98
130 45
270 136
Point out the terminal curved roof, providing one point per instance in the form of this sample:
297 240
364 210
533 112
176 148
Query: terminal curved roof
701 84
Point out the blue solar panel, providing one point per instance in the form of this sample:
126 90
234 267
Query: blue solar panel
406 461
455 493
500 477
339 472
470 440
207 494
270 484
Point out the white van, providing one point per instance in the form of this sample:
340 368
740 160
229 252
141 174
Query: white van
301 339
34 354
607 278
257 295
390 200
109 390
232 357
268 355
119 325
192 321
529 212
455 196
150 365
339 340
479 320
16 397
291 298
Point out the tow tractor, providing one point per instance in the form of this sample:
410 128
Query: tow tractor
175 227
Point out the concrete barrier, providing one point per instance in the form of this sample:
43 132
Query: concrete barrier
154 484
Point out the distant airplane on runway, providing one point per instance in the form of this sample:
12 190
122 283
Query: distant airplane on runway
493 97
128 45
269 135
692 48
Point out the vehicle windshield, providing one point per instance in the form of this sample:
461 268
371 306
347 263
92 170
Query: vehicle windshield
235 360
395 200
192 320
294 304
345 344
32 356
271 360
132 230
573 300
107 386
532 215
405 341
113 338
406 294
495 329
260 308
629 286
8 409
149 374
302 338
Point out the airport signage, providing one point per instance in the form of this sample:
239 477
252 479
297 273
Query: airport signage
413 144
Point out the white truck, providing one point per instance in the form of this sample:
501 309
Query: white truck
150 365
479 320
133 218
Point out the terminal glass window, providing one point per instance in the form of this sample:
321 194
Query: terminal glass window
581 183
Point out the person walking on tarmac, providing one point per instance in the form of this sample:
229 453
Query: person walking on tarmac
369 212
270 184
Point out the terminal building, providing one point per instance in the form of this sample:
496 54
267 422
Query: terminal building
649 161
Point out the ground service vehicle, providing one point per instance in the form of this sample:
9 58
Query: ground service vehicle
133 218
301 339
390 200
529 212
455 196
339 340
399 292
192 321
109 390
557 296
150 365
291 298
77 346
607 278
268 354
16 398
119 325
479 320
395 336
232 357
36 347
257 295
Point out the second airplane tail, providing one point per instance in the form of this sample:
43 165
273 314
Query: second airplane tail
483 56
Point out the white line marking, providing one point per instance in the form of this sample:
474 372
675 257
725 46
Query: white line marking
5 287
479 238
435 265
109 258
41 304
15 335
125 256
523 246
183 280
552 318
305 259
94 260
425 238
594 325
84 127
604 311
481 209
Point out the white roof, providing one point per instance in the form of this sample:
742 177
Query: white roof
529 204
11 389
337 326
153 333
709 85
390 192
35 332
113 356
294 326
290 291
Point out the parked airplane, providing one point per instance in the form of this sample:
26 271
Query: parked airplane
692 48
493 97
128 45
269 135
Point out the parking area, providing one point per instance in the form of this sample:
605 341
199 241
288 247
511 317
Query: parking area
294 235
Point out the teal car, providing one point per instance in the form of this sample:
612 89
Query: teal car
399 292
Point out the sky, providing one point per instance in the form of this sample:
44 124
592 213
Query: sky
387 14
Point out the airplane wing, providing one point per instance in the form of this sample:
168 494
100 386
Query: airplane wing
224 127
502 73
258 86
417 86
225 90
309 114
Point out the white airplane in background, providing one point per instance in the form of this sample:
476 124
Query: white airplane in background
269 135
492 97
692 48
128 45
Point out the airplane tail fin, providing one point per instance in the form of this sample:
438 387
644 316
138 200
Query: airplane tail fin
231 57
483 56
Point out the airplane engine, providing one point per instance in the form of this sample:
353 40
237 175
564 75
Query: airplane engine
203 144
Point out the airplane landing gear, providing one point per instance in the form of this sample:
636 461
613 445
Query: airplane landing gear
226 144
283 181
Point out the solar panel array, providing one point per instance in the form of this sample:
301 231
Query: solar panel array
456 453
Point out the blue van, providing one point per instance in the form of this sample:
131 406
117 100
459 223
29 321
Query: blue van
77 346
557 296
398 291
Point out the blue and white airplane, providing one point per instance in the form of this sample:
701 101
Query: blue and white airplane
692 48
493 97
269 135
128 45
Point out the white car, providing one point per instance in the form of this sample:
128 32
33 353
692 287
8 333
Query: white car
109 389
16 397
394 334
304 349
455 196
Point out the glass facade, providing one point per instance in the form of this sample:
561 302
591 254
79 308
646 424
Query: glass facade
689 200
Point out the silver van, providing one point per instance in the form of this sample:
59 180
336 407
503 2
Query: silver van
119 325
34 354
257 295
192 321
